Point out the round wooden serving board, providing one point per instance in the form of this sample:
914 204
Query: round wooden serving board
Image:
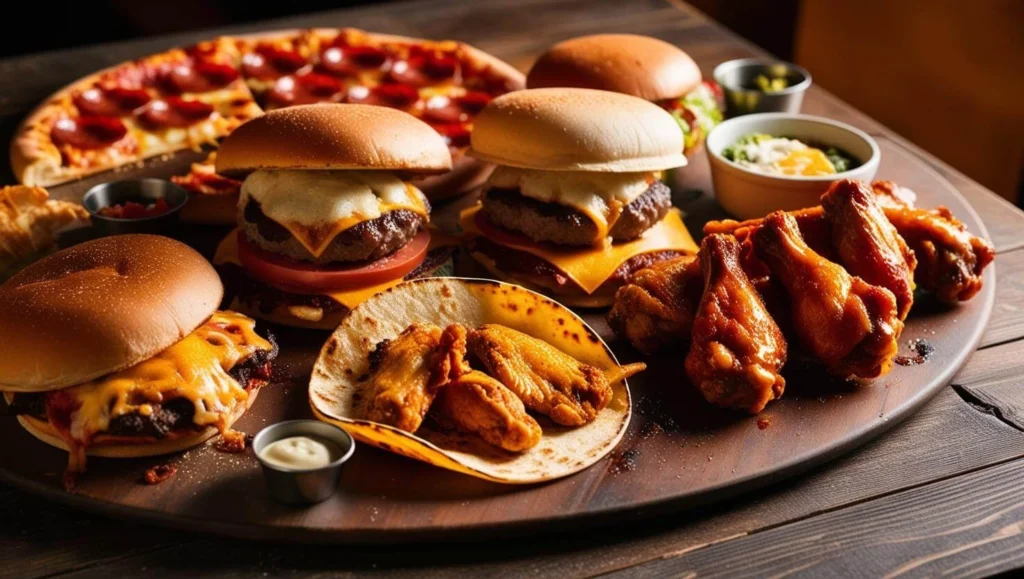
678 452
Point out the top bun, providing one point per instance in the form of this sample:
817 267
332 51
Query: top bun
640 66
334 136
100 307
575 129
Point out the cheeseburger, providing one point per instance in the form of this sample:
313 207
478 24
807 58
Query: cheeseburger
575 204
639 66
115 347
327 216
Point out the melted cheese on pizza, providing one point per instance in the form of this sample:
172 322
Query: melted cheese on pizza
599 196
196 368
315 206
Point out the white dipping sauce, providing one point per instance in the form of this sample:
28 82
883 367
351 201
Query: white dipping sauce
299 452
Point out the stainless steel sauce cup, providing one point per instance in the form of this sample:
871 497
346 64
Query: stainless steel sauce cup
742 97
303 486
138 191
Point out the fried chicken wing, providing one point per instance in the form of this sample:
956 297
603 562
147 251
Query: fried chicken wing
655 309
867 244
950 259
737 349
811 222
476 403
546 379
847 323
404 378
29 224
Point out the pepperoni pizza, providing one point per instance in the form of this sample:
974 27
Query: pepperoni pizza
186 98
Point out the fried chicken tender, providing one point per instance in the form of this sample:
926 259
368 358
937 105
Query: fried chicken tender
546 379
737 349
847 323
867 244
405 374
476 403
655 309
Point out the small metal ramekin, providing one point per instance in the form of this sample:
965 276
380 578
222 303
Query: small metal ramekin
139 191
303 486
736 78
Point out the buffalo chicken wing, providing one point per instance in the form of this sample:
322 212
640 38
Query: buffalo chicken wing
848 324
737 349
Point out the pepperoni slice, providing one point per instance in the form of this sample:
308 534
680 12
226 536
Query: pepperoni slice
455 134
199 76
474 101
270 62
110 101
441 109
388 95
174 112
88 133
346 61
306 88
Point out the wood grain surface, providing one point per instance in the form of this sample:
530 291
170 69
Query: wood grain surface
951 436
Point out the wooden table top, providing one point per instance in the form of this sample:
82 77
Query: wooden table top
941 492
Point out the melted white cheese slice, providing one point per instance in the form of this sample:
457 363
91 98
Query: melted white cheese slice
315 206
599 196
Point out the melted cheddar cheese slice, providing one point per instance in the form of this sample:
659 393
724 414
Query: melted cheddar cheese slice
196 368
599 196
590 267
315 206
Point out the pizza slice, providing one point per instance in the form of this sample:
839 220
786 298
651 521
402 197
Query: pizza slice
179 99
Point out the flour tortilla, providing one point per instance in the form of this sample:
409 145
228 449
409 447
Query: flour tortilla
471 302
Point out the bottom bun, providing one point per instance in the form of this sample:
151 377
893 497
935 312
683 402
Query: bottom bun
45 432
282 315
468 266
210 209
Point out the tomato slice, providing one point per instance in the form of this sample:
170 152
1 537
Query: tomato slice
300 277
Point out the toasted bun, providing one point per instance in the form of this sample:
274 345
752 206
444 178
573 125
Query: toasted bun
575 129
334 136
145 446
639 66
469 266
100 307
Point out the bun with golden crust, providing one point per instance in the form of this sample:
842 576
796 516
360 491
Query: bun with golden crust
575 129
334 136
100 307
639 66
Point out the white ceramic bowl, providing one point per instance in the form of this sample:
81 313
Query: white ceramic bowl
748 194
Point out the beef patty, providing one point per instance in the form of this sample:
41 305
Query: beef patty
555 223
172 415
366 241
